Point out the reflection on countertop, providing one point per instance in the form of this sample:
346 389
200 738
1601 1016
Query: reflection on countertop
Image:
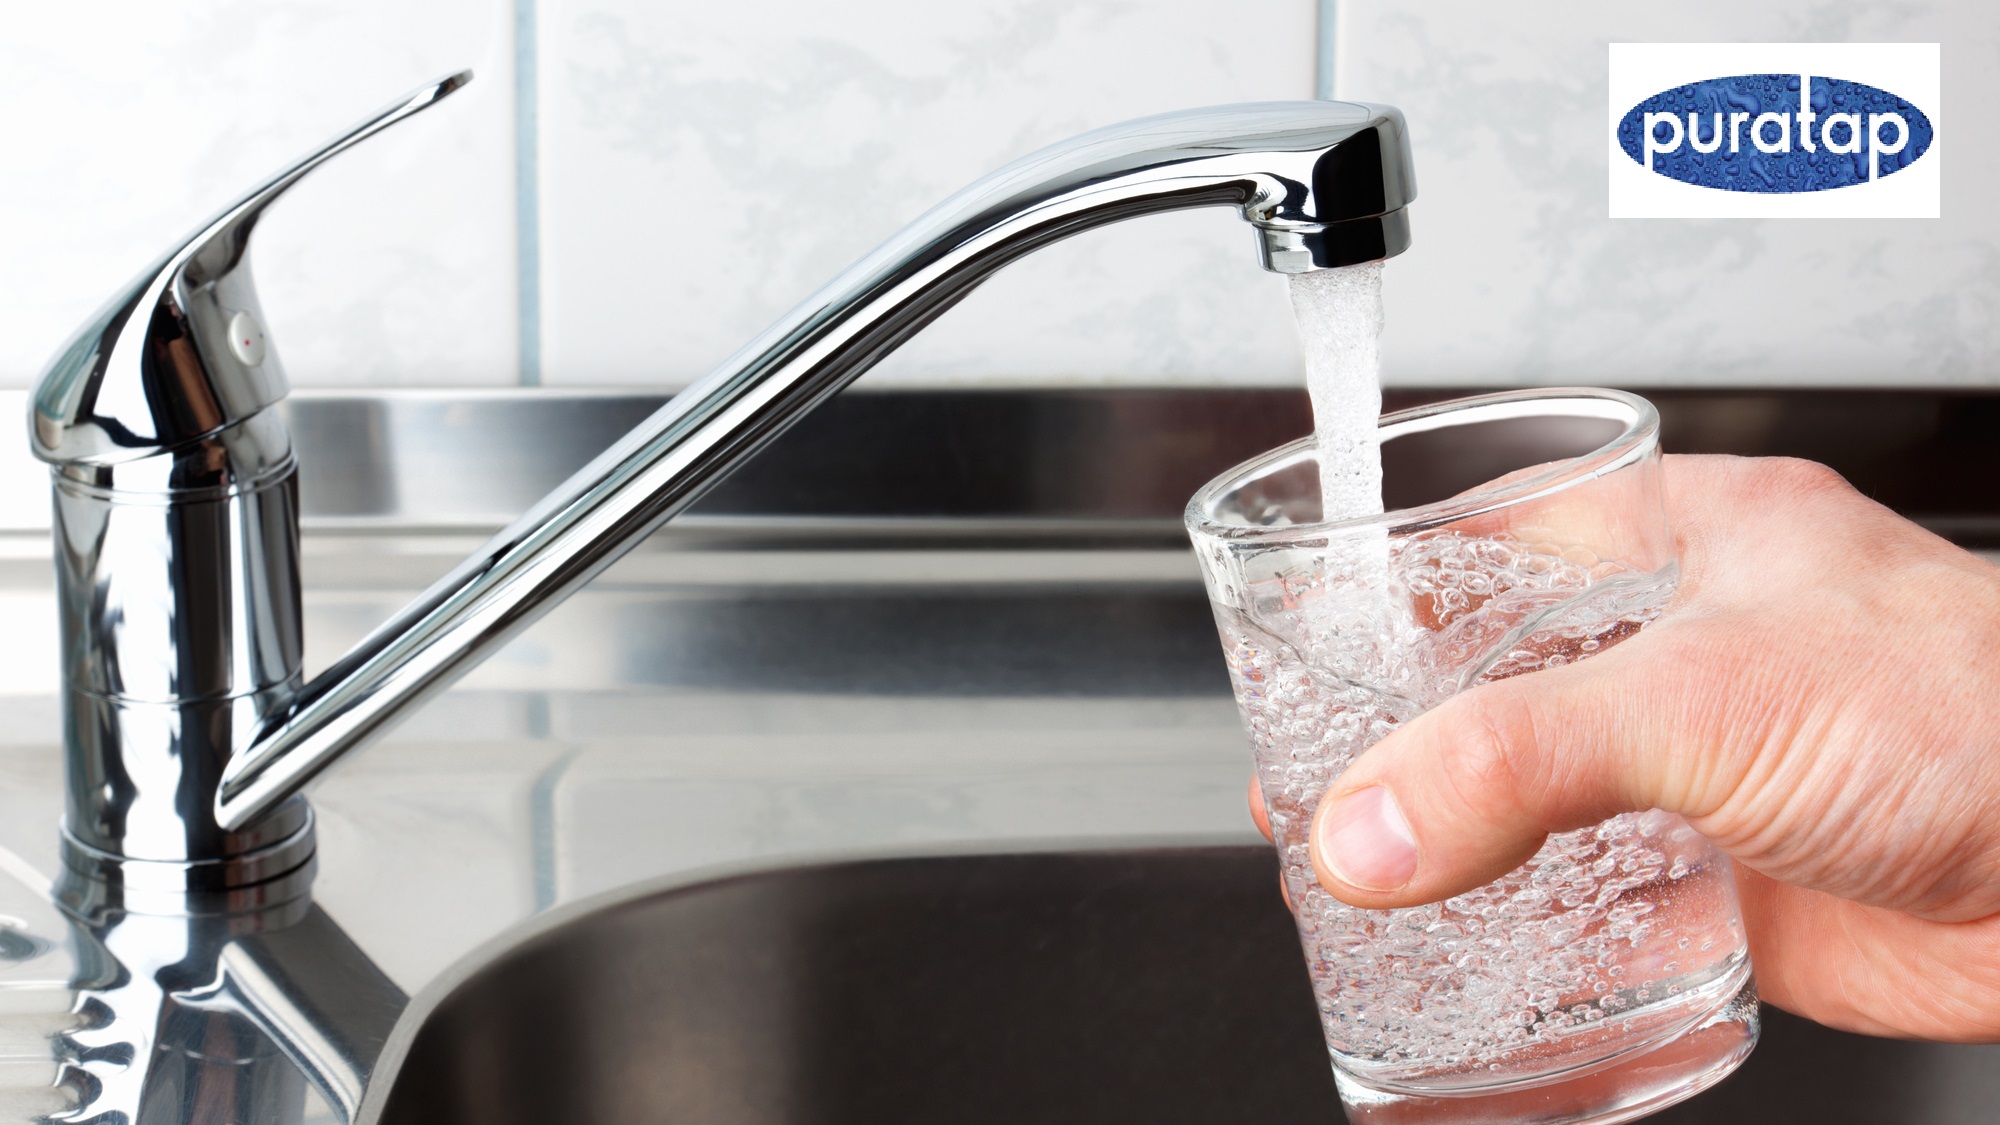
661 722
989 637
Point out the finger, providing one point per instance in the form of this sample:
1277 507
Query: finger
1262 817
1869 970
1804 514
1604 524
1467 792
1257 811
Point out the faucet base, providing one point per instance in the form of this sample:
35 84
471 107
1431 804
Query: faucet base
94 882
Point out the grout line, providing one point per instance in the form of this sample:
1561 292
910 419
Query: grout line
544 862
527 197
1327 56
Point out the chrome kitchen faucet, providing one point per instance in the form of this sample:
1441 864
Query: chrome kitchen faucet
188 725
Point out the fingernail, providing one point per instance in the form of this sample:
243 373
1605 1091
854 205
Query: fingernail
1367 841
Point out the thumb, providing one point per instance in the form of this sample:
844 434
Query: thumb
1467 792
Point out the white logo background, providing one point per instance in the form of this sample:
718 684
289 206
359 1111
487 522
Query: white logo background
1908 70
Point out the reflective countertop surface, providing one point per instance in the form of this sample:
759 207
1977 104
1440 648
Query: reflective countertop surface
989 637
752 686
695 708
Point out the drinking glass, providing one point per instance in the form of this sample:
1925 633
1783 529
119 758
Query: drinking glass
1608 976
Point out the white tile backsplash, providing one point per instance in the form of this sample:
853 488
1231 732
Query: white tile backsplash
703 167
125 123
1518 276
702 172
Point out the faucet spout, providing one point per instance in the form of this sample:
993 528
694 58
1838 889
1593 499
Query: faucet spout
1324 184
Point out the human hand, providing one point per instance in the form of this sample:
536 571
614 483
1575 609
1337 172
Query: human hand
1822 700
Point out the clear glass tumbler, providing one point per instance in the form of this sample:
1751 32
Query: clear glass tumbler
1606 978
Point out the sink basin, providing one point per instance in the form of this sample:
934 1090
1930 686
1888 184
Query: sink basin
1147 986
921 621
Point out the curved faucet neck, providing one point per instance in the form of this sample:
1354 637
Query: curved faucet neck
1323 184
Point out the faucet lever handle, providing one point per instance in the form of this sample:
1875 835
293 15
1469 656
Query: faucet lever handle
218 246
179 353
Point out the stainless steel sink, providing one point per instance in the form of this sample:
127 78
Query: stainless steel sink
1147 986
923 623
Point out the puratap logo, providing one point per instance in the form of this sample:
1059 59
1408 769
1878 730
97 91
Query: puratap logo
1786 130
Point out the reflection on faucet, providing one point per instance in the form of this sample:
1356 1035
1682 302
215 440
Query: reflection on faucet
38 975
215 989
221 1017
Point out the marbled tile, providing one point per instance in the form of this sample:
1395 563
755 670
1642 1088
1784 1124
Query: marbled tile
125 123
1518 276
705 168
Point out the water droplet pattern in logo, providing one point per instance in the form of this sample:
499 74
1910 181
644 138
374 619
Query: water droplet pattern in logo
1736 163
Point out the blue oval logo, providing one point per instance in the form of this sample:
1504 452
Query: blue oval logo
1775 133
